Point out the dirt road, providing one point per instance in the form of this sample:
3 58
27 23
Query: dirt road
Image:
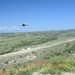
33 49
66 73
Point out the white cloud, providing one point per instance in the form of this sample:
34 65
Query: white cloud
1 28
5 27
16 28
10 28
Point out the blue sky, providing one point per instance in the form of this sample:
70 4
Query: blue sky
39 14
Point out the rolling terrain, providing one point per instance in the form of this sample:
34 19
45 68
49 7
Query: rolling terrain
19 49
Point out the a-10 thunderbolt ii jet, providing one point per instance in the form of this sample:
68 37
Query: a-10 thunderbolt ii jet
24 24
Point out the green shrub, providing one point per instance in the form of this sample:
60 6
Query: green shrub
25 72
58 59
6 62
70 61
36 67
65 67
12 72
46 69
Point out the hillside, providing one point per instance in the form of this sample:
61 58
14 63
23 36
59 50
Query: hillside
19 49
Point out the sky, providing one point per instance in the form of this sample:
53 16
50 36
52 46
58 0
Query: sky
39 14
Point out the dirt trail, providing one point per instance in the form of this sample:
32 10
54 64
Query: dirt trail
33 49
66 73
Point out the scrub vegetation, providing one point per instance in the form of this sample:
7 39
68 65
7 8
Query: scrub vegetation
50 60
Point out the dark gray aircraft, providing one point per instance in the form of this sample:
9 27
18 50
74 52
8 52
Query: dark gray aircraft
24 24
